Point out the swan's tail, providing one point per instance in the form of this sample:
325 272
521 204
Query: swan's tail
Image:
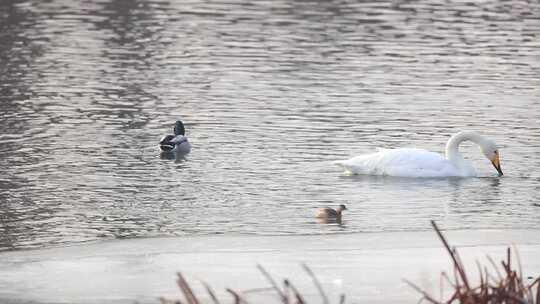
363 164
348 168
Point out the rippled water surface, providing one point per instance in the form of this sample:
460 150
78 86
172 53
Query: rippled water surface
271 92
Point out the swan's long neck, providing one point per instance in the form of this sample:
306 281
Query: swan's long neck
452 146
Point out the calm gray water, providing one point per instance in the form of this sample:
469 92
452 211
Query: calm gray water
271 92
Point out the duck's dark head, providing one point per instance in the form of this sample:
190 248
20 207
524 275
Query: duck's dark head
342 207
179 128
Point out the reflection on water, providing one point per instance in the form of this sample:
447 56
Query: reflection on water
178 157
271 93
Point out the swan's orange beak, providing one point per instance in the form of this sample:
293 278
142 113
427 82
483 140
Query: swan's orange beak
496 163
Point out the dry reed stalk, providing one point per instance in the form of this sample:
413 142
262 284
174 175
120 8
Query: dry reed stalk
425 294
297 296
210 292
188 293
237 298
317 283
453 255
268 277
162 300
509 288
289 294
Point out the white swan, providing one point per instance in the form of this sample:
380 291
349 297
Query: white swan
411 162
177 142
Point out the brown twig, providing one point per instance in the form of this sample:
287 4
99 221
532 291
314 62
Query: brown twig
162 300
317 283
495 267
210 292
273 283
286 291
425 294
297 295
188 293
452 255
237 298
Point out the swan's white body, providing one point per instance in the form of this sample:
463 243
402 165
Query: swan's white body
405 162
411 162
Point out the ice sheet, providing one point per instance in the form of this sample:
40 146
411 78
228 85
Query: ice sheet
364 266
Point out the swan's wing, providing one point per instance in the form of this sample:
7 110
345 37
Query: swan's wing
406 162
415 163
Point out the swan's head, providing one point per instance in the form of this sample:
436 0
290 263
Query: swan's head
179 128
491 152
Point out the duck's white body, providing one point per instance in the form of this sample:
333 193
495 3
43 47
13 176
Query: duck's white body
180 144
411 162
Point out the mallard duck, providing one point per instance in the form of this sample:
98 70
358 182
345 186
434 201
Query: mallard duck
177 142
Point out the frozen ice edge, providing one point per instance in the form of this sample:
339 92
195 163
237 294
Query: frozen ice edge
364 266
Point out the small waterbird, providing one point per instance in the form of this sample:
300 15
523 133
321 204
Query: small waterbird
327 214
176 143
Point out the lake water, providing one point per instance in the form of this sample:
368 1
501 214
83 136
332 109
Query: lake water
272 92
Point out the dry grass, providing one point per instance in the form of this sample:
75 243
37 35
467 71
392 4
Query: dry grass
507 287
288 294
